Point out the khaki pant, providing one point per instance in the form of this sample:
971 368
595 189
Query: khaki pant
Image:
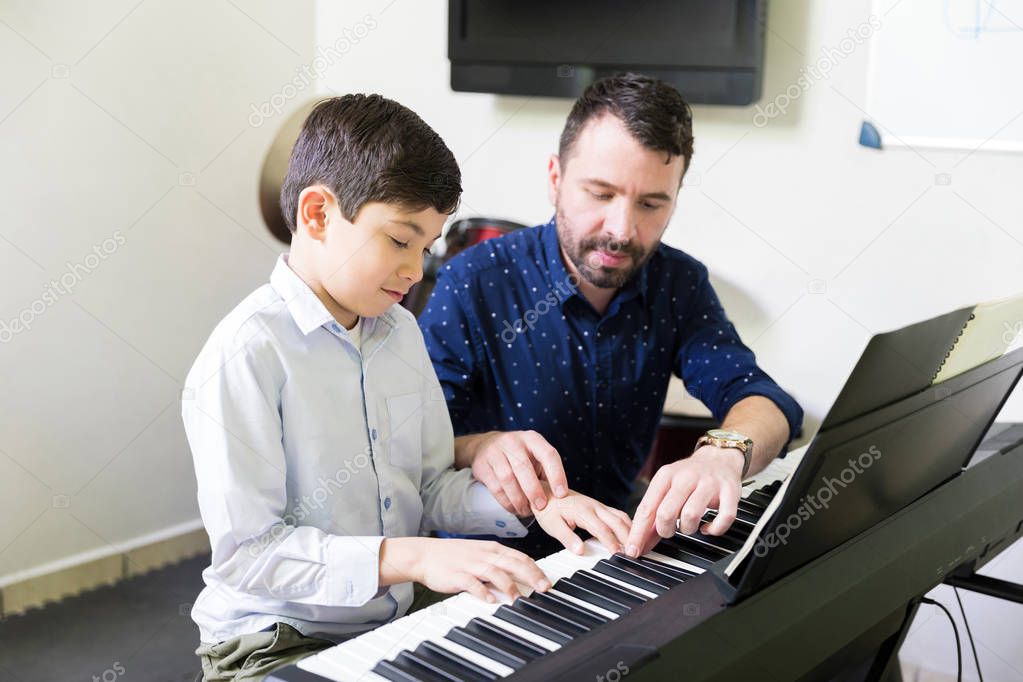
253 656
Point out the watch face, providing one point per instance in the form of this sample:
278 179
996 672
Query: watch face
725 435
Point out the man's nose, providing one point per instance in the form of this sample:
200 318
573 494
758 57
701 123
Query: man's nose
620 221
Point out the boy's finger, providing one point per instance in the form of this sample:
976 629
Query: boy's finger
617 525
524 570
478 590
596 527
556 527
501 581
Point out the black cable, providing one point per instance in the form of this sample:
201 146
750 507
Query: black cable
955 630
969 634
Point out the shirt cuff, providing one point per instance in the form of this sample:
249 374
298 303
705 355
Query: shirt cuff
491 517
353 569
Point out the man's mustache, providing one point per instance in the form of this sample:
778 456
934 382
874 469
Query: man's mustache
615 247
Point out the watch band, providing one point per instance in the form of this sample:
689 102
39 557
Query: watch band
745 446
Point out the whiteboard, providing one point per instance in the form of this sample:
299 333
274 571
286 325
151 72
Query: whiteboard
948 74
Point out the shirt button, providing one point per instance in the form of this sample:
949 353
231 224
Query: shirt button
373 434
387 503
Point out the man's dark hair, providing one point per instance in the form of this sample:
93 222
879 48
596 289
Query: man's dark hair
652 111
367 148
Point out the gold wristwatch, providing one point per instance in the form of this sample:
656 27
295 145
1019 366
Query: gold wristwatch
729 439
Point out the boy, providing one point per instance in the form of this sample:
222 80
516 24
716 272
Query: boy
321 439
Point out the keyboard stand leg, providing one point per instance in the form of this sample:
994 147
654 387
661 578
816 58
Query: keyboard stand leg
993 587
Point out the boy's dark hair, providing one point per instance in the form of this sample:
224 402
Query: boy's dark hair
367 148
652 111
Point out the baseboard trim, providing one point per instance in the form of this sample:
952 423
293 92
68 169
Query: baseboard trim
68 577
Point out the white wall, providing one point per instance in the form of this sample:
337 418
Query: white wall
108 114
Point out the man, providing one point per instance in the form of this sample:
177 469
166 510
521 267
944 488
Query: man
554 345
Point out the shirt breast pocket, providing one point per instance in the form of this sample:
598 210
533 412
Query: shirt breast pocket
405 421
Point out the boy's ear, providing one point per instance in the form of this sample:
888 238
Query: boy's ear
314 204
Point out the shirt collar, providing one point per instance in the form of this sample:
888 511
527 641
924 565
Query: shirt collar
559 273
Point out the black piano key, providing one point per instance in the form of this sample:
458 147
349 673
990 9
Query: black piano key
700 545
751 506
573 611
747 516
590 597
598 583
532 623
676 551
422 665
680 573
739 529
723 542
493 650
403 670
632 578
760 497
558 615
460 667
642 569
493 632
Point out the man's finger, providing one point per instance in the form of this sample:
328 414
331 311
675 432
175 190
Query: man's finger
553 468
484 473
695 507
728 503
671 506
510 484
643 521
525 474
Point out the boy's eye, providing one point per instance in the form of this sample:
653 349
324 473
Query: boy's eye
400 245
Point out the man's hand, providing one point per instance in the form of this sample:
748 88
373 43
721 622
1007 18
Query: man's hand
562 516
450 565
680 493
512 463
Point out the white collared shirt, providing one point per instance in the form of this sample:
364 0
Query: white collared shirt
308 452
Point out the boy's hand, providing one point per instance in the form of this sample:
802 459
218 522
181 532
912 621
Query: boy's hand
513 465
563 515
451 565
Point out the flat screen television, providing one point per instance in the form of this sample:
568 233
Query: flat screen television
711 50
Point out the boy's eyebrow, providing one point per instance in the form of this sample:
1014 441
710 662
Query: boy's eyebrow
415 226
663 196
409 223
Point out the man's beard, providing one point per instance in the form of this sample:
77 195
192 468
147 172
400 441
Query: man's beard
584 257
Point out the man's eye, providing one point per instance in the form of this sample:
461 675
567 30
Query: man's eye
400 245
601 197
650 207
